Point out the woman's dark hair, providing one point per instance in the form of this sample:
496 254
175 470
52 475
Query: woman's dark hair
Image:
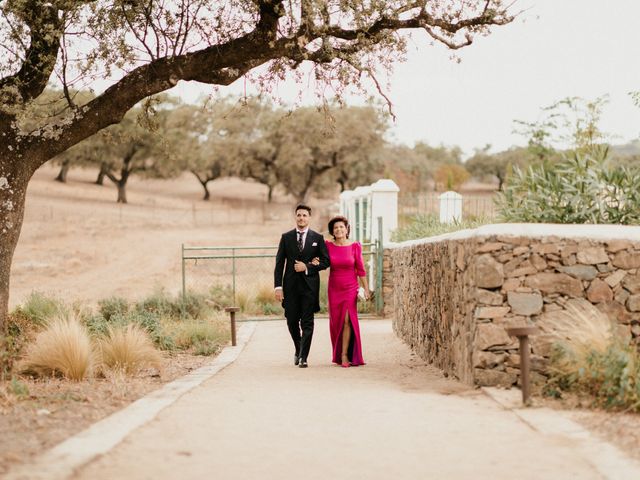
302 206
336 219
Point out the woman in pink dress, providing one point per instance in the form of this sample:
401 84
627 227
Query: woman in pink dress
346 268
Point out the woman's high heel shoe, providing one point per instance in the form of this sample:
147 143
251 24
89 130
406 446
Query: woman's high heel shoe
345 362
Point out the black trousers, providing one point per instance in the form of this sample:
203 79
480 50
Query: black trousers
301 303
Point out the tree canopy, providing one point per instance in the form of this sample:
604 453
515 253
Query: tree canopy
139 49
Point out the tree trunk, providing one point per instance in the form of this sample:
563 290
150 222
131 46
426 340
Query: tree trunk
64 169
207 195
122 191
270 194
101 175
13 188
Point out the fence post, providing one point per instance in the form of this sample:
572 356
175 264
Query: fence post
184 283
379 255
233 272
450 207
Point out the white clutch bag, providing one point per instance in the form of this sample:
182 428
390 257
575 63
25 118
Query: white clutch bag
361 294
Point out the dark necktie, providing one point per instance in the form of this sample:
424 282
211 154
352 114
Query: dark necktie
300 245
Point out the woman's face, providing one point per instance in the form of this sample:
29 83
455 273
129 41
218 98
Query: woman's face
339 231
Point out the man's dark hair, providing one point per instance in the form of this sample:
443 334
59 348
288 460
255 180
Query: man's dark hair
302 206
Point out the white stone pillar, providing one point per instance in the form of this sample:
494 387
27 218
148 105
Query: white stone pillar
384 203
450 207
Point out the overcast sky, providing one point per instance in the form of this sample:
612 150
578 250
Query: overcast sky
556 49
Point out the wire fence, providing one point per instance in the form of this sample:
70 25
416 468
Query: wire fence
244 277
473 206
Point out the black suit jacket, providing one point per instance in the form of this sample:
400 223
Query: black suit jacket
285 275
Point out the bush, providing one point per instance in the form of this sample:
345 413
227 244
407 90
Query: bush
582 188
200 335
589 360
112 307
423 226
128 348
62 348
38 308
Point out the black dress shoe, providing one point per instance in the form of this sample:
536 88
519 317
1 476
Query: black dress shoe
296 359
303 364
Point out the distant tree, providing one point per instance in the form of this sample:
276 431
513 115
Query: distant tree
137 145
498 165
450 177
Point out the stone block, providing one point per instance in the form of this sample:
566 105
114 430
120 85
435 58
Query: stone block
555 283
491 312
525 303
626 260
632 283
583 272
615 311
488 272
490 247
489 335
615 278
599 292
511 284
614 246
592 256
493 378
487 297
488 359
633 303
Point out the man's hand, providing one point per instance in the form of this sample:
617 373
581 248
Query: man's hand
300 266
279 294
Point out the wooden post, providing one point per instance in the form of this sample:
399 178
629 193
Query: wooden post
232 313
522 333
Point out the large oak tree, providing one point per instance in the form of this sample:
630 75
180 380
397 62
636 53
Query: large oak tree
145 47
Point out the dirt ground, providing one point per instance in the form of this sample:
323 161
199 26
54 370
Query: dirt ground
79 245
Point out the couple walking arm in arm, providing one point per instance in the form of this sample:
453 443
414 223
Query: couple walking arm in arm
302 253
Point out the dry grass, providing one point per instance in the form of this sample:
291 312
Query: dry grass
129 349
580 330
62 348
206 336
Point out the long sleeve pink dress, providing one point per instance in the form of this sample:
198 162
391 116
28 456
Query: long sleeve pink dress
346 267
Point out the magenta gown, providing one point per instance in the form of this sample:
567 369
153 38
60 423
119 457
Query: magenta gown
346 267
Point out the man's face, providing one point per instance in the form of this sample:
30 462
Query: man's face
302 219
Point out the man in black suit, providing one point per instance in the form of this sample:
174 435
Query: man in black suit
296 280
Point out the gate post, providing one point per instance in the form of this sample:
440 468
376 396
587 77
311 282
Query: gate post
184 289
379 258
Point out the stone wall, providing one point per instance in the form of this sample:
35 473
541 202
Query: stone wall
452 296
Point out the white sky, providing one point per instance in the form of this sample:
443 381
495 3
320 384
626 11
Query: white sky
556 49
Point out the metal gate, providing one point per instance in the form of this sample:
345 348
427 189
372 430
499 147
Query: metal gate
243 276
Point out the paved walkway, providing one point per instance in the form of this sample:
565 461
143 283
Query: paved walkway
261 417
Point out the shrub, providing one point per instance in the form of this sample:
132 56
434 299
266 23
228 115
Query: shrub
582 188
589 360
200 335
63 348
424 226
128 348
38 308
112 307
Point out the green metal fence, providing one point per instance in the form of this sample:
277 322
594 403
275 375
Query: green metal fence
243 276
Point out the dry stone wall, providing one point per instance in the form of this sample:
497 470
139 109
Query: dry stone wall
452 298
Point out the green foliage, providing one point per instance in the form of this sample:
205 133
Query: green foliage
113 307
582 188
611 378
423 226
18 388
39 308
